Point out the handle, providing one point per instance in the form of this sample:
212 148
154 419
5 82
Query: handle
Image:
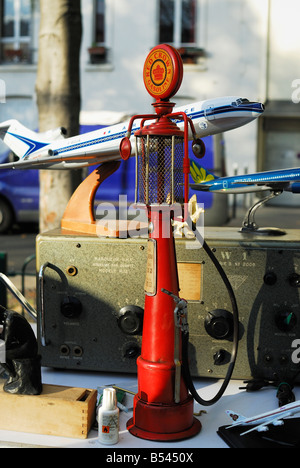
41 302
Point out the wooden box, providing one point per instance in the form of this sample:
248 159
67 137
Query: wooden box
58 411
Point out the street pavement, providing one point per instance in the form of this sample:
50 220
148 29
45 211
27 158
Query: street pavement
18 246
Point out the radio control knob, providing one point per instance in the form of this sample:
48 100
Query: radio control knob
270 278
219 324
294 280
132 352
220 357
71 308
286 320
130 320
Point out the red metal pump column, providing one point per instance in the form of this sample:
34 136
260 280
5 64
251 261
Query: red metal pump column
163 407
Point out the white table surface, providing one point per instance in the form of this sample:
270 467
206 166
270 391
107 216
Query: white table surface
249 404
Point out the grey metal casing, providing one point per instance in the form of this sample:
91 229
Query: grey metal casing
110 274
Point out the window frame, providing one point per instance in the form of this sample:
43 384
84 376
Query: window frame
103 43
190 52
178 26
98 51
17 40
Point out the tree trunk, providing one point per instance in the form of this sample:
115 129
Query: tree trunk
58 97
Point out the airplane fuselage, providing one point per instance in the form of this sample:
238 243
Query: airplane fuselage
209 118
281 414
105 143
287 178
274 417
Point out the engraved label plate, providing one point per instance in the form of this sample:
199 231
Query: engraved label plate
150 281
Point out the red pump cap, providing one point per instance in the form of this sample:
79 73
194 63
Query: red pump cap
163 72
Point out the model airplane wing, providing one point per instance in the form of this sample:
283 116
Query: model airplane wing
264 426
269 183
261 428
201 187
272 185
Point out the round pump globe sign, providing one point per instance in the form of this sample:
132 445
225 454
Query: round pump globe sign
163 72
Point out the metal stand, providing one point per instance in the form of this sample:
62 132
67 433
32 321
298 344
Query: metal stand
249 225
22 300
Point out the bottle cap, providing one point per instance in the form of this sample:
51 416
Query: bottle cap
109 401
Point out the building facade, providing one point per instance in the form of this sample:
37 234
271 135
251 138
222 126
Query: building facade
246 48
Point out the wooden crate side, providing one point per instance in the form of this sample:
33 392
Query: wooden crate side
49 413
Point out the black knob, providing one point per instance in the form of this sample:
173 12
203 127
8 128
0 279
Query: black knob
71 307
130 320
285 319
220 357
132 352
270 278
219 324
294 280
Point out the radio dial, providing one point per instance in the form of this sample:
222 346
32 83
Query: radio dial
130 320
294 280
286 319
219 357
270 278
219 324
71 308
132 352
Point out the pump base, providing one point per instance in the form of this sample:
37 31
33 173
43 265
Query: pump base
155 422
191 432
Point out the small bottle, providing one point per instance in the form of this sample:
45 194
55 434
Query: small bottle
108 418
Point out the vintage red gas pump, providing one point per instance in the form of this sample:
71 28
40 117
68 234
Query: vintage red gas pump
163 407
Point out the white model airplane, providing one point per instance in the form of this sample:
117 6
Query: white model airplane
262 421
37 151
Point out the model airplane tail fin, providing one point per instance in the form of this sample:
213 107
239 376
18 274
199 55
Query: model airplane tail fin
200 175
236 417
20 139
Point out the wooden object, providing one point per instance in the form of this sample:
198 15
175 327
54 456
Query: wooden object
79 214
58 411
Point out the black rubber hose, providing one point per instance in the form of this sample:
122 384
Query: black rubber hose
185 340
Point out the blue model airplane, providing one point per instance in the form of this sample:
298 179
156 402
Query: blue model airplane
274 181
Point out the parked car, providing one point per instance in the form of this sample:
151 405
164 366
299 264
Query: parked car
19 196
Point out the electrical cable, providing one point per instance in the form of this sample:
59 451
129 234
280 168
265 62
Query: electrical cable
284 388
185 337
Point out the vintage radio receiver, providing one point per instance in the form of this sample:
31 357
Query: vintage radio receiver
91 294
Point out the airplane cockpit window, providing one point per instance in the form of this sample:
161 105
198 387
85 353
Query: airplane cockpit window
240 101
